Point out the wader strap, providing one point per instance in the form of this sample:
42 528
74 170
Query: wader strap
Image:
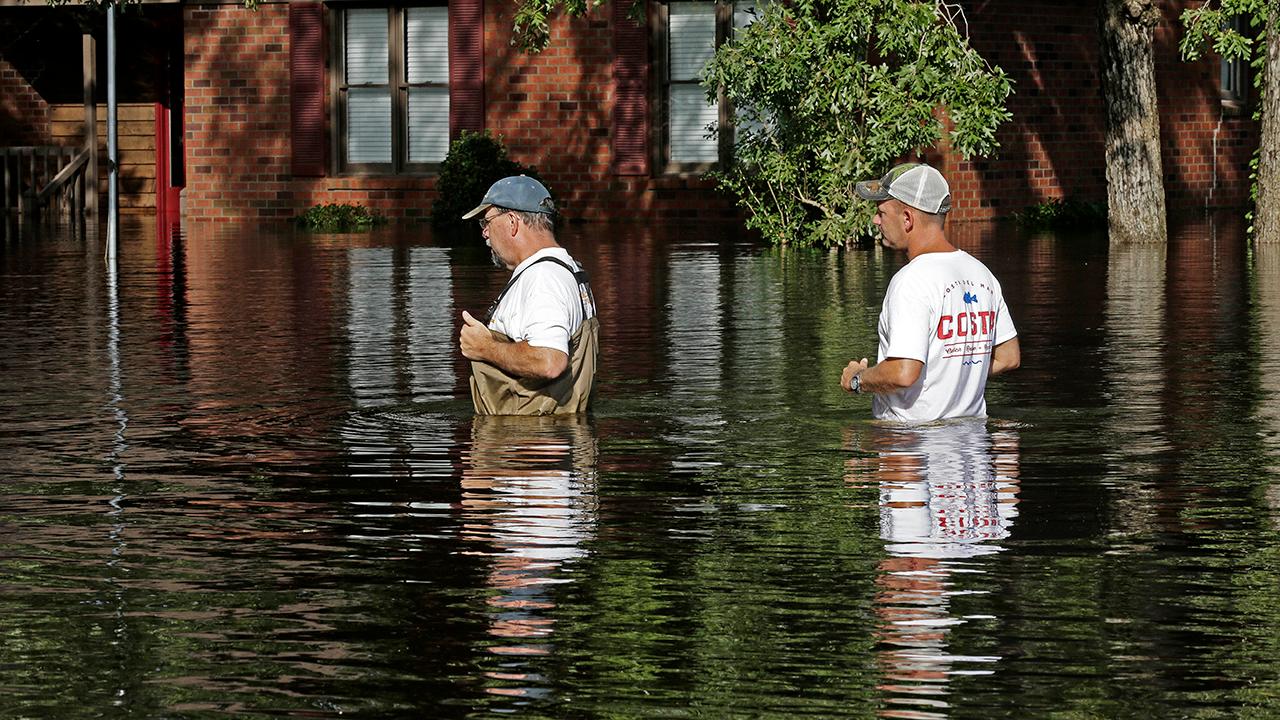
585 297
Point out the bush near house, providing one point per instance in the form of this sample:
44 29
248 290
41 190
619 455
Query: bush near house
475 161
1063 214
338 217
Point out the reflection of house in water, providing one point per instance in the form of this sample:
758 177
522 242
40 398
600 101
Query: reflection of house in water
624 272
1133 376
694 349
1135 316
529 501
255 312
401 325
947 496
1205 312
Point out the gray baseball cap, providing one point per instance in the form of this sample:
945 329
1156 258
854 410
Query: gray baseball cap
516 192
915 184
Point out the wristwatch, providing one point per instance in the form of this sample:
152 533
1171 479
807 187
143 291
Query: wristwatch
855 384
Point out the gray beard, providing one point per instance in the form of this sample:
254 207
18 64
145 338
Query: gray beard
497 260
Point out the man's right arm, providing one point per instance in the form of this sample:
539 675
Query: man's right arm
518 359
1006 356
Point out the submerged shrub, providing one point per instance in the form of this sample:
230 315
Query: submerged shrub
1063 214
338 217
475 161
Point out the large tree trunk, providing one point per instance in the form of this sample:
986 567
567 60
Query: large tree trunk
1135 185
1266 216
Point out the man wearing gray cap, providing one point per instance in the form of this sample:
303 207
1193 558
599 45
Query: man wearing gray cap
944 327
536 352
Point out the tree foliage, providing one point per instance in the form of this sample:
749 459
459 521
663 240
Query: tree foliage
1210 27
531 26
829 92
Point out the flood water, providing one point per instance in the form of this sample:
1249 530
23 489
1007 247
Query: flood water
242 478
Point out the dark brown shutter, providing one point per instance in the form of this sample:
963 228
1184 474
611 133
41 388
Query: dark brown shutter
466 66
306 87
631 92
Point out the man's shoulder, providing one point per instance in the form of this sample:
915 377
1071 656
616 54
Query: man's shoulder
949 263
550 271
548 260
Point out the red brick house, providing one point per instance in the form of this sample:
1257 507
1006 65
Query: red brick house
260 114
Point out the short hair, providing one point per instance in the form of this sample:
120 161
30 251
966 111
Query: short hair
545 221
940 217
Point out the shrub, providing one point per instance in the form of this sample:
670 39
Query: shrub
338 217
475 161
1059 214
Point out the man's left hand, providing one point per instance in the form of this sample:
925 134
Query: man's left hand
853 368
475 338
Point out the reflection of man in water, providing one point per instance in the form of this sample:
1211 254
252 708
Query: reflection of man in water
528 495
536 353
947 494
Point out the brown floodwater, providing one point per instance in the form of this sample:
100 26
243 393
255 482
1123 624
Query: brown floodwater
240 476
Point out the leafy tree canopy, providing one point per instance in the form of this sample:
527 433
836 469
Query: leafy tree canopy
829 92
1211 26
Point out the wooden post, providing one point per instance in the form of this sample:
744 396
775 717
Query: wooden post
90 48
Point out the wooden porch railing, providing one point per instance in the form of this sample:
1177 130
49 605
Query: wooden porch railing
38 180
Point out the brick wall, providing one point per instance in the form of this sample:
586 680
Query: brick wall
554 112
1054 145
1206 147
236 114
237 127
24 115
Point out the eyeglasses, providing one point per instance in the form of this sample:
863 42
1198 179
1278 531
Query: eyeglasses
484 221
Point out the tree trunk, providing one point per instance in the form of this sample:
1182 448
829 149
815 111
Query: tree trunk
1135 183
1266 216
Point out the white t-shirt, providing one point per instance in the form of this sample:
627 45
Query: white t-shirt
946 310
544 306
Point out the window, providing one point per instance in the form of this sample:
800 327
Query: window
392 100
688 34
1234 75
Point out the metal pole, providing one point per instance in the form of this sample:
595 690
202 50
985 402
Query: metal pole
113 159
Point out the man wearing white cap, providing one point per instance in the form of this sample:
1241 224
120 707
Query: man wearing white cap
944 328
536 352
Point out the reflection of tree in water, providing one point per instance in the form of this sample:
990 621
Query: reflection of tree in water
947 493
1267 319
528 493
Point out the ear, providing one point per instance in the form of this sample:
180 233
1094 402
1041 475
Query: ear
908 218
